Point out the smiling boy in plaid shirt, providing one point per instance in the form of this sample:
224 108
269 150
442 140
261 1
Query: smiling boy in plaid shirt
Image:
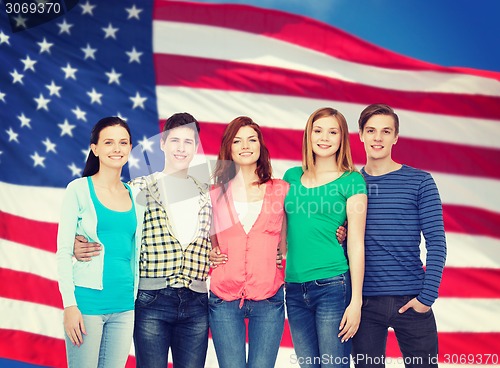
171 310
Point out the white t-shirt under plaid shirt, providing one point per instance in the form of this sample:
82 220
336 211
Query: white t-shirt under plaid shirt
164 261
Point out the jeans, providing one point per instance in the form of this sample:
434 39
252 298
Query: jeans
315 309
416 333
175 318
266 320
107 343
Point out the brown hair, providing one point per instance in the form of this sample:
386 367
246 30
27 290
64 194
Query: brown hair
377 109
225 169
92 164
181 119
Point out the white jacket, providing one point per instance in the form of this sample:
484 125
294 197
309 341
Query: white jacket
78 217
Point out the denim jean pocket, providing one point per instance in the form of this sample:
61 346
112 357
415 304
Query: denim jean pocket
278 298
422 314
146 297
335 280
214 299
202 299
365 302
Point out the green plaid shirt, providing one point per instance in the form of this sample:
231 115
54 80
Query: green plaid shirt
162 256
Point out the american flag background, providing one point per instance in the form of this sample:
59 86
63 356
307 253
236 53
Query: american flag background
144 60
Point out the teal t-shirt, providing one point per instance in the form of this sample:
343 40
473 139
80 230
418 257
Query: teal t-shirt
116 231
313 216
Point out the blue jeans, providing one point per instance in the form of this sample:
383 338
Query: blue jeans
175 318
266 320
315 309
416 333
107 343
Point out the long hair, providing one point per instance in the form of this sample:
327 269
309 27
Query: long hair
225 169
92 164
343 155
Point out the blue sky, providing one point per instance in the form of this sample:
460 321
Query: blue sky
445 32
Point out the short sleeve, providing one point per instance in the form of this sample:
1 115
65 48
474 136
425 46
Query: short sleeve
292 174
286 177
356 184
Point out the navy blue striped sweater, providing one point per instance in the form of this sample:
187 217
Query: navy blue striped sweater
401 205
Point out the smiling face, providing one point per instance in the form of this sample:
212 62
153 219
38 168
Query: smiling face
325 137
245 148
179 147
113 147
378 136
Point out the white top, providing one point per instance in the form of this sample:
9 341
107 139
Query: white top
181 199
248 213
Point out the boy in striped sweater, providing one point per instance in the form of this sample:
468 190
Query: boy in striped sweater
403 203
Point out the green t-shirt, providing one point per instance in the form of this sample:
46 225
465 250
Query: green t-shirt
313 216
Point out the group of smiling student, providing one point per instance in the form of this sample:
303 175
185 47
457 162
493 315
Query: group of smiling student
142 265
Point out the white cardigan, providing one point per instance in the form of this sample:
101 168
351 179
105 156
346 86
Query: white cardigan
78 217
